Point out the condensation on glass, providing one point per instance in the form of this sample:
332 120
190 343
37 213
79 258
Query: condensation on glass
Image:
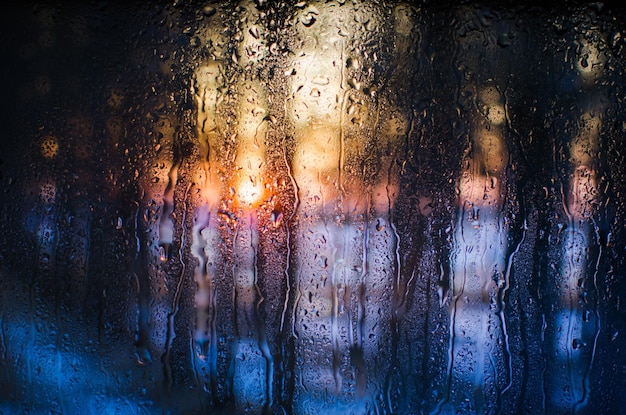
325 207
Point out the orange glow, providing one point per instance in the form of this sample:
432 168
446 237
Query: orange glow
249 192
49 147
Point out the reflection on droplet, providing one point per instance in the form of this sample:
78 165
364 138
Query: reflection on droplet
208 11
308 19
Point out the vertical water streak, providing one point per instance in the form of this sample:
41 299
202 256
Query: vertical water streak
477 329
576 328
205 241
142 281
287 226
598 322
208 79
361 377
334 303
262 343
396 269
284 363
202 300
195 370
502 306
457 292
171 316
166 223
315 113
252 362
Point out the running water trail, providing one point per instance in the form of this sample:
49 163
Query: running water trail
357 356
502 302
171 330
503 291
282 367
597 323
259 323
397 267
287 226
142 281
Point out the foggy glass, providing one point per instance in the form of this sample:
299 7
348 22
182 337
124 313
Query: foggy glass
316 207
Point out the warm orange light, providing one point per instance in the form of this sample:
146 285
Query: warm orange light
49 147
249 192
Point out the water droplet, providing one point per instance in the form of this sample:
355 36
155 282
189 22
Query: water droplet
354 84
352 63
276 217
208 11
257 111
380 224
322 261
505 39
615 39
321 80
584 63
440 295
308 20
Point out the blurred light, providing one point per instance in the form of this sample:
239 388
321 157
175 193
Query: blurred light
48 192
49 147
590 61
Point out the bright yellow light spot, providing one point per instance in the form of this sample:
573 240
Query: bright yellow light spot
492 105
49 147
495 114
249 192
316 85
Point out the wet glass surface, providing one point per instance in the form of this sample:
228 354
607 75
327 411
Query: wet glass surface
321 207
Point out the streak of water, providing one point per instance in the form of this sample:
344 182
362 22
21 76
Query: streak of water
597 321
258 321
287 227
166 224
502 301
141 277
171 316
